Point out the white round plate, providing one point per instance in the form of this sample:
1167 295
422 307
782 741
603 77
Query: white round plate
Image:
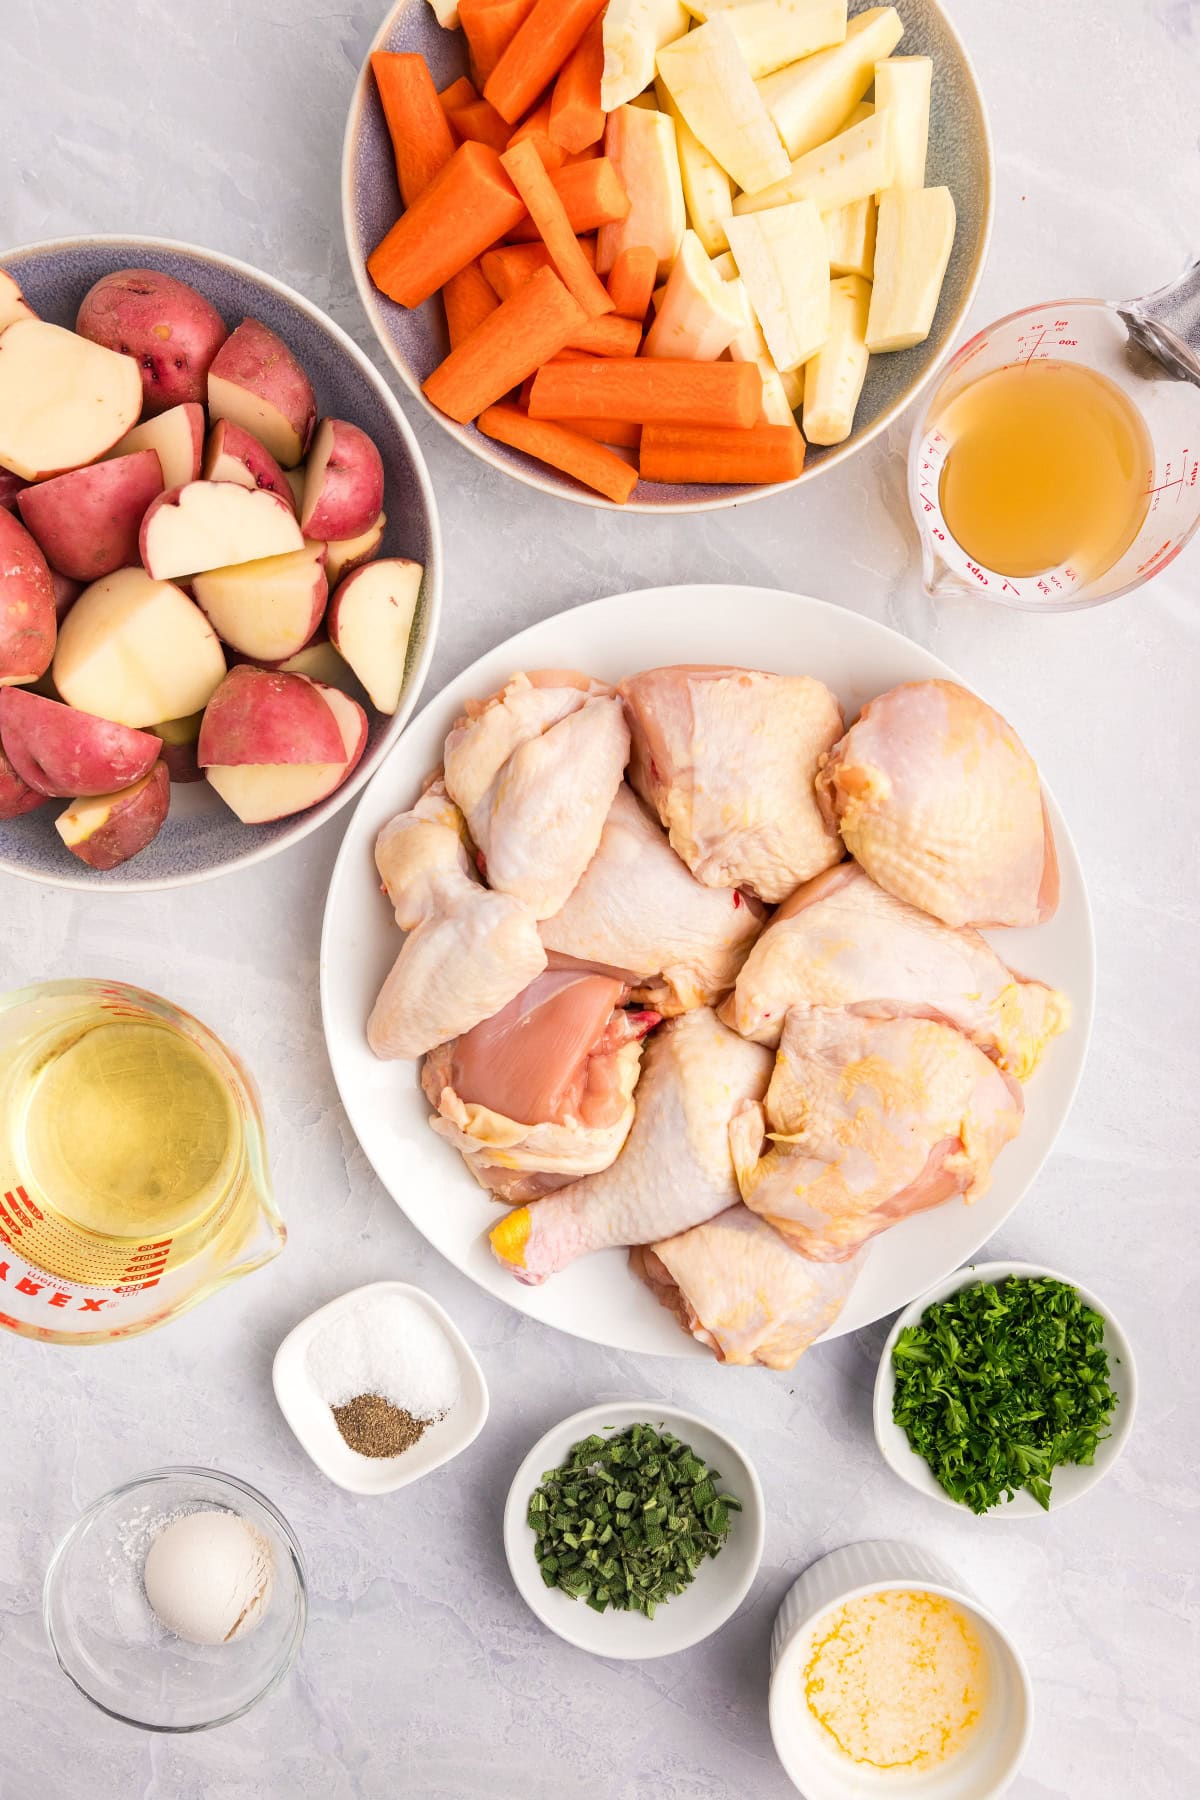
599 1298
721 1583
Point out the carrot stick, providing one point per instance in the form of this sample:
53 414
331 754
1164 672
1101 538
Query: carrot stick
508 265
467 206
468 298
548 213
683 453
537 53
460 93
490 27
517 338
421 139
591 193
588 155
569 451
609 431
608 337
647 389
576 115
566 354
631 281
537 129
480 124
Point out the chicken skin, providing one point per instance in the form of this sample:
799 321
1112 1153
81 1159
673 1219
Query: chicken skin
468 951
867 1121
639 911
842 941
534 770
738 1287
939 800
727 758
675 1171
543 1092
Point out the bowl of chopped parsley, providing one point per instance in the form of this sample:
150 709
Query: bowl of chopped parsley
634 1530
1009 1390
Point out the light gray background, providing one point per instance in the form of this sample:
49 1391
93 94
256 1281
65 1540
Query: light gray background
220 121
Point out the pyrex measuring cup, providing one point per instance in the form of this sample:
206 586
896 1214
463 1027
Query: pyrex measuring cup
1150 349
133 1170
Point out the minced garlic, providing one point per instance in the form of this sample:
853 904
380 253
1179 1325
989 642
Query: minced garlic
898 1679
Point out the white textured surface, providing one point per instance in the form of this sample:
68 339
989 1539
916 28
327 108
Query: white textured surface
423 1676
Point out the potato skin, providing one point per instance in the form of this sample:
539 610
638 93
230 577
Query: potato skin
134 818
173 332
87 521
28 628
16 796
58 750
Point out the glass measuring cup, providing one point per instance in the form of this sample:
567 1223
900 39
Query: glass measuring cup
133 1169
1150 350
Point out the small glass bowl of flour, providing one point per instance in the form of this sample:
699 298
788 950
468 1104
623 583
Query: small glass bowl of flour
177 1601
380 1387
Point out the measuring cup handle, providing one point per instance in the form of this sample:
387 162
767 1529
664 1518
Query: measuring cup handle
1167 323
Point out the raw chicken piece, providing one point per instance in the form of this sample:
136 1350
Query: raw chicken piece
940 802
727 759
543 1092
534 770
676 1170
842 941
739 1288
638 910
468 951
869 1120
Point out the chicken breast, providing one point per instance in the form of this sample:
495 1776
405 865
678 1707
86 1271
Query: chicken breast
727 758
867 1121
939 800
842 941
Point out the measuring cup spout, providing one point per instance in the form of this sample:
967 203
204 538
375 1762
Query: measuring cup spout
1167 324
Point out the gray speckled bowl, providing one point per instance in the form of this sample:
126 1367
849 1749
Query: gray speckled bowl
960 158
201 837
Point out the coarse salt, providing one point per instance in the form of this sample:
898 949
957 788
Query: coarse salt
387 1345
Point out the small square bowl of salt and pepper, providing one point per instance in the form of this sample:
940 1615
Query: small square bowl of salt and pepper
380 1387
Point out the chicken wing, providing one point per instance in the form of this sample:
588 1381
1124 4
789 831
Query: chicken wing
842 941
639 911
727 758
940 802
867 1121
675 1171
738 1287
468 951
535 769
543 1092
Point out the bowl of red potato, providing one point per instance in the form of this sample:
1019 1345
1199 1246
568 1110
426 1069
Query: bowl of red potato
220 564
666 255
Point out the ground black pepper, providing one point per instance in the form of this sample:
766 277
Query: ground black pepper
374 1427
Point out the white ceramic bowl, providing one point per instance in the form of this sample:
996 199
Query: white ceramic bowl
722 1582
313 1423
986 1765
1069 1480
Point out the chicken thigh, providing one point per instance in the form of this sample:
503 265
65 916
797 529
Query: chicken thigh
468 951
535 769
867 1121
939 800
727 758
739 1288
842 941
639 911
675 1171
543 1092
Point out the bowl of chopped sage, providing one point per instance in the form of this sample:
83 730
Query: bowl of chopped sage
634 1529
1009 1390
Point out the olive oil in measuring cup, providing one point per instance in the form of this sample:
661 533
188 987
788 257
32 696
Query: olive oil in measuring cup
133 1175
1046 466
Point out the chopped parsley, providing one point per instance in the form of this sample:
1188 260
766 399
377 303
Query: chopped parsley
627 1520
999 1385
